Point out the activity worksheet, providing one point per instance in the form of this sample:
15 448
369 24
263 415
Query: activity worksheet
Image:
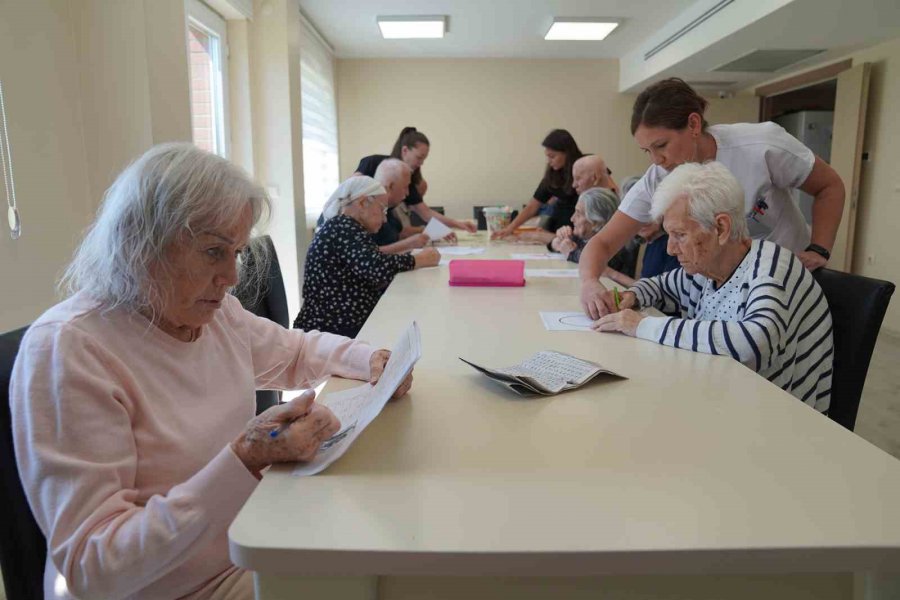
460 250
562 273
539 256
357 407
566 321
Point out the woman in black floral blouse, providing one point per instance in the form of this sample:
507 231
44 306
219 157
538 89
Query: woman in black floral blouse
346 273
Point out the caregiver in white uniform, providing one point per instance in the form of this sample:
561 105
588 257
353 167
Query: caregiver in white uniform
667 123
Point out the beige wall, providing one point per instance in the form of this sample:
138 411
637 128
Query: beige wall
486 119
90 86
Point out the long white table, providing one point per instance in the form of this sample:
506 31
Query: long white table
693 478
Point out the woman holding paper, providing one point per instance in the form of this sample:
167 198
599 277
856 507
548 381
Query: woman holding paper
346 273
132 400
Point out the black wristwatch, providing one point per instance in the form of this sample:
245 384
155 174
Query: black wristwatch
823 252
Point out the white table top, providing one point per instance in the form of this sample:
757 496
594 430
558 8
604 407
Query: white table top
694 464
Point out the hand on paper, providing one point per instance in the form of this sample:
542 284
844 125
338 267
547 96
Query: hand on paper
301 426
625 321
376 364
592 295
428 257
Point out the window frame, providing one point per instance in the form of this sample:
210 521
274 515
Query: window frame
211 23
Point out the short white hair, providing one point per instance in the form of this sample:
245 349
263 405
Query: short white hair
390 170
172 190
710 189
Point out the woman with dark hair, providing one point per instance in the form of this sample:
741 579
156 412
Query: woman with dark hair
412 148
556 187
667 123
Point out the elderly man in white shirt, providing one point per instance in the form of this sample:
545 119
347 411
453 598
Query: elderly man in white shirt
749 299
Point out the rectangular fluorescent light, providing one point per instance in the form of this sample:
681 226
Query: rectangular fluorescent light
581 29
407 28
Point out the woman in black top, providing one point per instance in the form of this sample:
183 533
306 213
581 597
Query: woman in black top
412 147
561 152
346 273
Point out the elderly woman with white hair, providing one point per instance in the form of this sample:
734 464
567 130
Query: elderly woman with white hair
749 299
133 400
593 210
346 273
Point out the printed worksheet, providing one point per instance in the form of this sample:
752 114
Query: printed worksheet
562 273
566 321
546 372
436 230
539 256
357 407
460 250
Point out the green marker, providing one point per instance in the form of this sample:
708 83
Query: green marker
616 296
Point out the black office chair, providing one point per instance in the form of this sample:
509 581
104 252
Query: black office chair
269 300
857 306
478 213
23 548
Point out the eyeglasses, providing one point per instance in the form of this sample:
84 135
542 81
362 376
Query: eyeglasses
384 207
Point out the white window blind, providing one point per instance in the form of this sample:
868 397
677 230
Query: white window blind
320 133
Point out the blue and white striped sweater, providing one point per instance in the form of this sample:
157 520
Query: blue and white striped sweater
771 315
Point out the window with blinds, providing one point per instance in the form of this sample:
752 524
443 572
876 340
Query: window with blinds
320 133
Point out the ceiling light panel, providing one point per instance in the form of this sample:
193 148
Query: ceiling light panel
580 29
407 28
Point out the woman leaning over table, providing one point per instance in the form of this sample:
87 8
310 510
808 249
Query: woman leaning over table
667 123
133 399
346 273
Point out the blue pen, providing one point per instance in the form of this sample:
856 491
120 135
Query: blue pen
284 426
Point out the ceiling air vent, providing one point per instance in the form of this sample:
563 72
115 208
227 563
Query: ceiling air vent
687 28
767 61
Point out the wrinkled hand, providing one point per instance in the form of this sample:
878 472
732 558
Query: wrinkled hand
428 257
626 300
451 238
302 426
376 367
625 321
419 240
565 232
811 260
565 246
592 294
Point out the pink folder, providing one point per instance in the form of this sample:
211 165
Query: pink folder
505 273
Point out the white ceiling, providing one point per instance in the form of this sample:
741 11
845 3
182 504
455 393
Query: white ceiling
486 28
515 29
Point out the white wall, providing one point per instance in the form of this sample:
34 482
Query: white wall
486 120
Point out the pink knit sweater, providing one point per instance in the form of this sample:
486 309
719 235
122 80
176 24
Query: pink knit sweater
122 438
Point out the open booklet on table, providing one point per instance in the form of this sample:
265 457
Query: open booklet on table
357 407
546 372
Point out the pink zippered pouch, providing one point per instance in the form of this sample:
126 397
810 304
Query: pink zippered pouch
502 273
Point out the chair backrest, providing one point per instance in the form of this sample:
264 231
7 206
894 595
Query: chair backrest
23 549
478 213
270 301
857 306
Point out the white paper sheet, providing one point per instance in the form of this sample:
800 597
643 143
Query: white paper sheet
566 321
551 272
541 256
437 230
357 407
459 250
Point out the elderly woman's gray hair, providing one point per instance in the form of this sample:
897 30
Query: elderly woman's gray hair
349 191
711 190
599 205
172 191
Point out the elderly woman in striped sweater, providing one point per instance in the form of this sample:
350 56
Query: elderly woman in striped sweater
748 299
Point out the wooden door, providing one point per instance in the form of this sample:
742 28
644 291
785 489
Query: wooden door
846 154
